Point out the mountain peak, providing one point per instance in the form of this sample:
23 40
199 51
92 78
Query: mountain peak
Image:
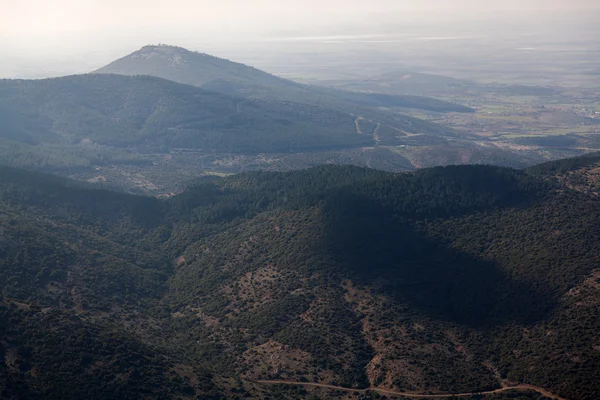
164 47
174 55
185 66
167 49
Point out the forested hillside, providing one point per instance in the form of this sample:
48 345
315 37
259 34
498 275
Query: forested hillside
446 280
157 114
127 125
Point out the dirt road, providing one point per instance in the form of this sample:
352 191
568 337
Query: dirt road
520 387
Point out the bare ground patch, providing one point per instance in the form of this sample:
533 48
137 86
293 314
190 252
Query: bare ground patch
252 290
409 355
275 359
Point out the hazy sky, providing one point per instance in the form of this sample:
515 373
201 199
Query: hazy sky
41 28
48 19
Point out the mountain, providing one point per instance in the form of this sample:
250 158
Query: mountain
192 68
459 279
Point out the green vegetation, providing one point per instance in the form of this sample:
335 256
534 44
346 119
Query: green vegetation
58 157
446 280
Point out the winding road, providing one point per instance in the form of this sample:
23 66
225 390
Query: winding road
517 387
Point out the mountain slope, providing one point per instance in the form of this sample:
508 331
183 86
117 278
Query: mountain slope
124 111
447 280
180 65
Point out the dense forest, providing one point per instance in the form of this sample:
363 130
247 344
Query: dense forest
157 114
446 280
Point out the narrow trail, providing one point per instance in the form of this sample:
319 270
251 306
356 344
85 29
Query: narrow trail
357 123
520 388
376 133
